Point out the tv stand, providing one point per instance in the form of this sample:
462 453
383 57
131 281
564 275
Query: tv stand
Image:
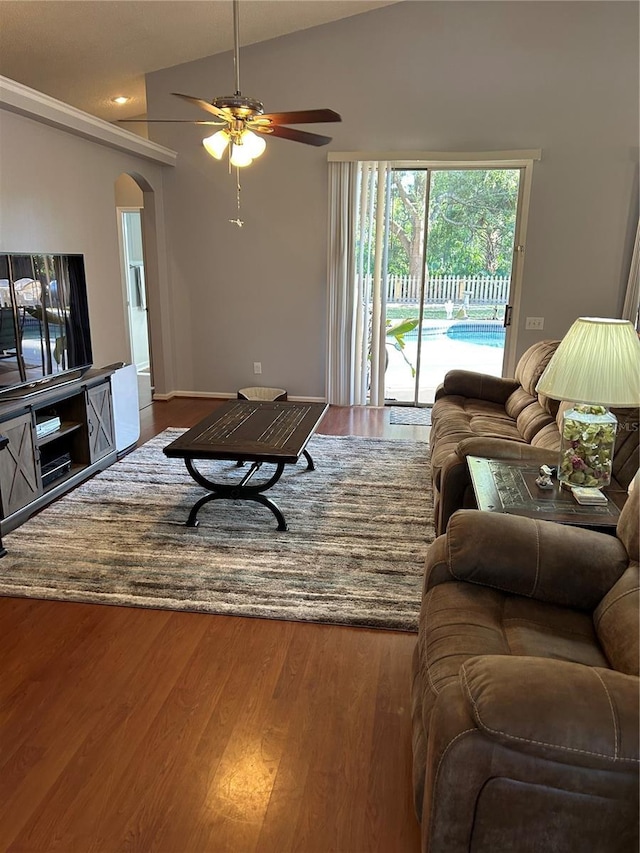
75 439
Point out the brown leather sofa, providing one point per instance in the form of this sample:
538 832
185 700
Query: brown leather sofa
526 687
479 415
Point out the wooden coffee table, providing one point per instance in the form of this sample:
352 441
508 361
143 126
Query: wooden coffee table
248 431
509 485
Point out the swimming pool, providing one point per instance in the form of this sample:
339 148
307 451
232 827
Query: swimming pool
488 333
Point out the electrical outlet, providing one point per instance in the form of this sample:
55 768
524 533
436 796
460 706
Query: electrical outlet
536 323
257 367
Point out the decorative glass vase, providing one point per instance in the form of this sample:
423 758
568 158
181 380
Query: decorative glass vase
587 445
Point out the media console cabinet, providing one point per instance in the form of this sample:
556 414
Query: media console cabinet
36 468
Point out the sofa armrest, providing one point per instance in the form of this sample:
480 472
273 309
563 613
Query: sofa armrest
555 709
453 479
480 386
556 563
488 782
453 482
505 448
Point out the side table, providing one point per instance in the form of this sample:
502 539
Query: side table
509 485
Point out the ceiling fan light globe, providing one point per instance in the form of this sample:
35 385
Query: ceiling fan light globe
216 144
254 144
240 155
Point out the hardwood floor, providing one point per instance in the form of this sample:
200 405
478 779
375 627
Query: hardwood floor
125 729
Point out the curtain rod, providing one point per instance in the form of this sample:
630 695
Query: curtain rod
524 155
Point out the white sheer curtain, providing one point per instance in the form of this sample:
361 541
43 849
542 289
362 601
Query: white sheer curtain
356 313
632 297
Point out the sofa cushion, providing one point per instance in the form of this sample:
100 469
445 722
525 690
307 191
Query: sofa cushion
629 524
454 413
593 719
490 426
626 459
517 402
459 620
458 415
482 386
547 438
562 408
531 420
455 418
532 364
616 621
550 406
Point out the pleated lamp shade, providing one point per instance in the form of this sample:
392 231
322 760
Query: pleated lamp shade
597 362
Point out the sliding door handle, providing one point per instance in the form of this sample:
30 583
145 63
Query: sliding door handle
507 315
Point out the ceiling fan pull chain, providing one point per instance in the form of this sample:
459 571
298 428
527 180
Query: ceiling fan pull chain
238 221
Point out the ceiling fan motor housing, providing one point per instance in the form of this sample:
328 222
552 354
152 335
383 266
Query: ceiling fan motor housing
239 106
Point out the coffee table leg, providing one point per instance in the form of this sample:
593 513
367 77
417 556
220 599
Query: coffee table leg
275 509
237 491
310 463
192 521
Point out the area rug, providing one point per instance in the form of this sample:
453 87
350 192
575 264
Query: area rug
359 527
413 415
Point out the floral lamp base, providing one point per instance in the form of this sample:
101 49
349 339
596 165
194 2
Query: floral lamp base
586 450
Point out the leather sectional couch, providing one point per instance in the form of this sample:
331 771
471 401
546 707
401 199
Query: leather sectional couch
525 692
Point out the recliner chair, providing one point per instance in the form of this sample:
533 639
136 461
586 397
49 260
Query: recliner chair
526 687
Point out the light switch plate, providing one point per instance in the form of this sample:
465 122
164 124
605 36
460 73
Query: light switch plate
536 323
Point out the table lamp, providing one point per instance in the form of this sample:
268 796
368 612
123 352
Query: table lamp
596 365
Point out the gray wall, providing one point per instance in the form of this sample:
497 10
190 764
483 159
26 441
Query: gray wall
128 193
439 76
58 194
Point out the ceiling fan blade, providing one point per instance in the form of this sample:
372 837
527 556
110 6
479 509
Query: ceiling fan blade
294 135
205 105
300 117
171 120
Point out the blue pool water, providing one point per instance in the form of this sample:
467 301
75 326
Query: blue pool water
488 333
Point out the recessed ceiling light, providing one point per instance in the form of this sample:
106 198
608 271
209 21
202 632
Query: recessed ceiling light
121 99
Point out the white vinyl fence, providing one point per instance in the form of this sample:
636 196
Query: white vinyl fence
487 290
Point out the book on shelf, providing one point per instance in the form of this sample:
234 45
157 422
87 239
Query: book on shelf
47 425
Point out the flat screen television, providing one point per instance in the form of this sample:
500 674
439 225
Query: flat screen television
45 337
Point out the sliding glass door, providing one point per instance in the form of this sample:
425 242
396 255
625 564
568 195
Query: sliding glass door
425 270
450 245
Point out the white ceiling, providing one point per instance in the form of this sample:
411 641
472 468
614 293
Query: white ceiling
86 52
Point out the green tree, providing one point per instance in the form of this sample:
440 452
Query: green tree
406 231
472 216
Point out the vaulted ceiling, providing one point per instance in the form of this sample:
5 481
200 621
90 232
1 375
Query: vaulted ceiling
86 53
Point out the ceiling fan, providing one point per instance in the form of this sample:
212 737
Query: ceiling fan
244 122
